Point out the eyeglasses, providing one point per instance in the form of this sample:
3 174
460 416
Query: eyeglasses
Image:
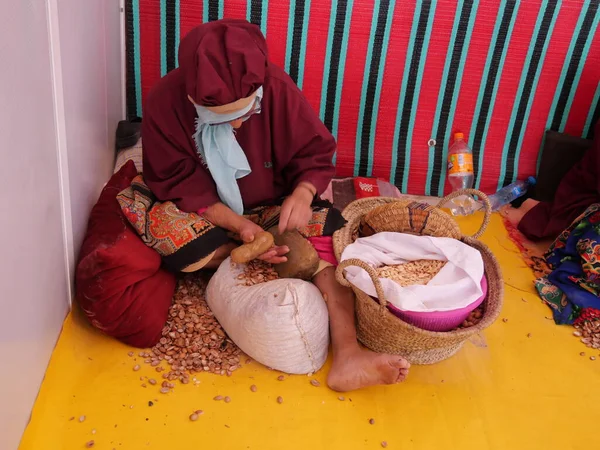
256 109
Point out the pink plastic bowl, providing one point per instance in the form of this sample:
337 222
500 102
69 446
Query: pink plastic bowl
439 320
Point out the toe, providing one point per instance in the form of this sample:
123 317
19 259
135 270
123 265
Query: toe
402 374
399 363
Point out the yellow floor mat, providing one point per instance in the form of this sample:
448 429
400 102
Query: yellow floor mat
523 385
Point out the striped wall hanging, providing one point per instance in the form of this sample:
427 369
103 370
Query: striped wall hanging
390 78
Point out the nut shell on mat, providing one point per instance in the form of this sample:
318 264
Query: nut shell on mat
379 329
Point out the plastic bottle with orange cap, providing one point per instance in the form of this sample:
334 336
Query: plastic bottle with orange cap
460 175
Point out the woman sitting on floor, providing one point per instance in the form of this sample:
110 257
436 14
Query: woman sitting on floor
231 141
579 189
572 222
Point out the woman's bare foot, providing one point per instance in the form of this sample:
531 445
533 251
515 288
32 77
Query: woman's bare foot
514 215
363 368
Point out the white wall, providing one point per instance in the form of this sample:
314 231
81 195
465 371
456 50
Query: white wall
56 153
91 74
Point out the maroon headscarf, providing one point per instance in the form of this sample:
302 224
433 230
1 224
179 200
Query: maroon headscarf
220 63
223 61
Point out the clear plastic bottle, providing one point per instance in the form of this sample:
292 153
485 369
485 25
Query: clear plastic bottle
510 193
460 175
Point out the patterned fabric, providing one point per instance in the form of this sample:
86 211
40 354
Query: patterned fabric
343 191
574 283
500 71
183 239
180 238
325 220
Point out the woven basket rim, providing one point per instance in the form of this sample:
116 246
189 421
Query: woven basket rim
488 318
343 237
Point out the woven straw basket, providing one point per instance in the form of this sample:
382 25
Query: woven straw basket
379 329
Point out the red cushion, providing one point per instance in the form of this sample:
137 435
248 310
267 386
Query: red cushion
120 284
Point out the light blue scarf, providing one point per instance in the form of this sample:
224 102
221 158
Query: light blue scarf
220 151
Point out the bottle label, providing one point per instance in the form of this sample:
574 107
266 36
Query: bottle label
460 163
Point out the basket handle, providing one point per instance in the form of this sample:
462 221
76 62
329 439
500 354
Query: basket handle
486 203
339 275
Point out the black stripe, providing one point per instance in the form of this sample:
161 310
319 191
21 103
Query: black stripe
170 35
256 12
384 7
567 86
529 79
595 119
213 10
334 66
457 51
195 250
410 92
297 39
489 84
132 111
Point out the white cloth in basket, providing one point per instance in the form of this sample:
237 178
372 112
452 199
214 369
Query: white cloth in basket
457 284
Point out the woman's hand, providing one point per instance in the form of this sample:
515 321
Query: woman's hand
276 255
296 210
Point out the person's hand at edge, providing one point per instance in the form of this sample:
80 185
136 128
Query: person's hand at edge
296 210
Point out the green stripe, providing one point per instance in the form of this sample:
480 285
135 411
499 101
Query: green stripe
584 54
221 9
342 67
365 83
563 73
327 66
136 52
441 93
382 60
588 123
177 30
163 38
561 81
263 18
340 77
290 36
413 107
461 66
484 78
522 80
302 58
205 11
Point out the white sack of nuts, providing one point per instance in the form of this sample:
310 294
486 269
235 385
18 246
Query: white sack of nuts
282 324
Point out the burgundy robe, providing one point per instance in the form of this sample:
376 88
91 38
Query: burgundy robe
285 144
578 189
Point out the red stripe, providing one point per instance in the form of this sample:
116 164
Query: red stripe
390 88
316 48
277 26
478 47
428 96
358 42
235 9
547 85
582 102
149 44
190 15
507 90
